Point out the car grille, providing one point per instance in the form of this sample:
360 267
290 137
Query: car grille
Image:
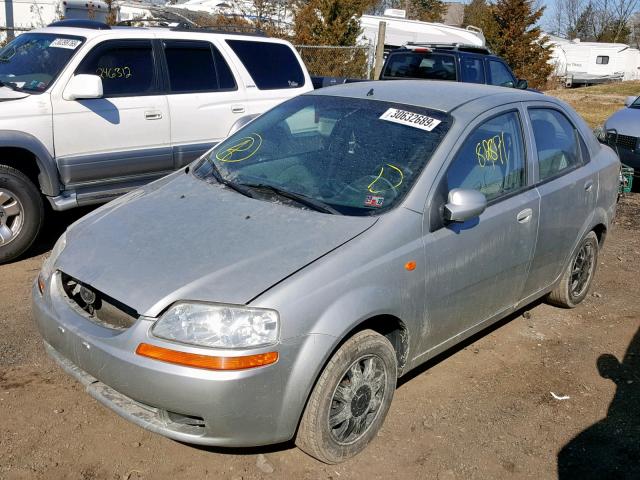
624 141
96 306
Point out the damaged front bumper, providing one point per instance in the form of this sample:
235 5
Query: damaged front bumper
251 407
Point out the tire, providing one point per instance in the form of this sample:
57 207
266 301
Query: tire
359 407
576 280
21 213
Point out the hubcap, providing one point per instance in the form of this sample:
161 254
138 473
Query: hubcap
581 270
11 216
357 399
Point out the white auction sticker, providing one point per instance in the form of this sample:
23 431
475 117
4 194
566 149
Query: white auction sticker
68 43
411 119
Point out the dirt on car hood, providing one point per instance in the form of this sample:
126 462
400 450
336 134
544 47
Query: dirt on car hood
185 239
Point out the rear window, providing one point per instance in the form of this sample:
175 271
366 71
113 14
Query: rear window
429 66
271 65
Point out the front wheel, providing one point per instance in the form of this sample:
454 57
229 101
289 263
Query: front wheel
350 400
577 278
21 213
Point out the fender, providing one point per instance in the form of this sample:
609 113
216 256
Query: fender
48 176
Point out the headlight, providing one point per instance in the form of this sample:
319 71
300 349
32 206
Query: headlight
218 326
48 265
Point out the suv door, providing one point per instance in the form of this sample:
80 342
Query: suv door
567 184
123 136
499 74
477 269
204 98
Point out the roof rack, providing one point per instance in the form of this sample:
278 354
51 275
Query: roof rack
156 22
463 47
79 23
228 29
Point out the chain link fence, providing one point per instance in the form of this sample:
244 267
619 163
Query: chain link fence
333 61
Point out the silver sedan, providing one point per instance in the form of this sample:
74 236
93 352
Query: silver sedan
277 287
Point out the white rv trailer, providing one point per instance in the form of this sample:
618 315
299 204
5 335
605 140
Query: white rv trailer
586 63
400 31
17 16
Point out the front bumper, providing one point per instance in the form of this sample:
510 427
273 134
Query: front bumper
225 408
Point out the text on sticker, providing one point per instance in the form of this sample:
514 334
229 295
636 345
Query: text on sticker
492 150
411 119
113 72
68 43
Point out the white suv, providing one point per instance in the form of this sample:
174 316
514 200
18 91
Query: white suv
88 111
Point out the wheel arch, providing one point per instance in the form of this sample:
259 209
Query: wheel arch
26 153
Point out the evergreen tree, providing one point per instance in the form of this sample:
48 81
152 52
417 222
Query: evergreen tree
519 40
427 10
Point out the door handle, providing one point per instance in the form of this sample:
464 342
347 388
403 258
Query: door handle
588 186
152 115
237 109
524 216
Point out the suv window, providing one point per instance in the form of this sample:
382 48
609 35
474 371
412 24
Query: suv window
556 142
271 65
126 67
472 69
491 159
499 74
193 68
430 66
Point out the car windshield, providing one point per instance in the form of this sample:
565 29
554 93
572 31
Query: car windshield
33 60
352 156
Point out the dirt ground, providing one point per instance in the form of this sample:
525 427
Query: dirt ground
484 410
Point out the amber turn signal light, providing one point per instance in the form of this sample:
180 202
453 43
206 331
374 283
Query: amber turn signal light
410 266
206 361
41 284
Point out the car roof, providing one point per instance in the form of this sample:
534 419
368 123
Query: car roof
435 94
152 32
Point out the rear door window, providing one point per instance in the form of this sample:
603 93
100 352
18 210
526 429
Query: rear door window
127 68
492 158
271 65
429 66
472 69
193 67
556 142
499 74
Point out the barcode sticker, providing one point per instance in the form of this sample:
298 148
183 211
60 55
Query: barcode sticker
68 43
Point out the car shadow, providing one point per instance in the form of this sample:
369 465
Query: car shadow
54 225
465 343
610 448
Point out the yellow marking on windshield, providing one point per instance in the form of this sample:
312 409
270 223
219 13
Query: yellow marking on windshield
492 150
246 147
369 187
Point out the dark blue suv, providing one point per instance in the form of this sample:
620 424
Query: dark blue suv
453 62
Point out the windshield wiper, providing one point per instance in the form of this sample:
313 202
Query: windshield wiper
228 183
309 202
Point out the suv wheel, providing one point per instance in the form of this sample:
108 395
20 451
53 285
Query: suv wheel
577 278
21 213
350 400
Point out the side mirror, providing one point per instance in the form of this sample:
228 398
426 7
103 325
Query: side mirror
464 204
630 100
82 87
522 84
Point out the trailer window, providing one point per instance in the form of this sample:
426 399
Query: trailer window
602 59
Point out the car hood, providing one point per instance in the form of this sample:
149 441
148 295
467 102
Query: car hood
625 121
8 94
186 239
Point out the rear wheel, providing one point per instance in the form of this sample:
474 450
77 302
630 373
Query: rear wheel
21 213
350 400
577 278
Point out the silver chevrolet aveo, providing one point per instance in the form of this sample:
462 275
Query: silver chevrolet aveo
276 288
